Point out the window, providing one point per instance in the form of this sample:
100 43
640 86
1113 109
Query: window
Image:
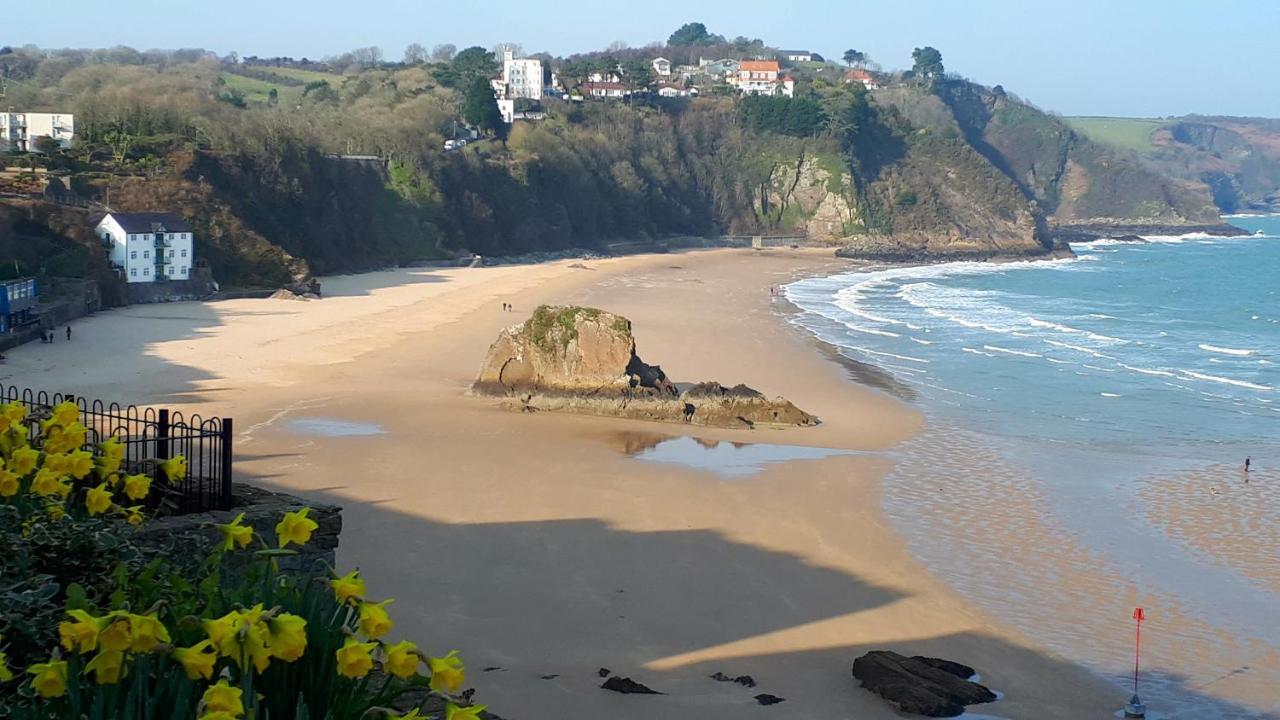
132 237
146 271
133 255
184 271
146 254
184 252
171 253
133 272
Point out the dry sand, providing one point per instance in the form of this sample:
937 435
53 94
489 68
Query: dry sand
535 544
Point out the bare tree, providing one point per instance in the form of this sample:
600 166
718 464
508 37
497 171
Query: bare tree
414 54
444 53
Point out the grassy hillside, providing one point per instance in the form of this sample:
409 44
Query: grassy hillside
1124 133
259 91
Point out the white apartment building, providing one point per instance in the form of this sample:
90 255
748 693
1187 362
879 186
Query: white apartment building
19 130
148 247
522 78
761 77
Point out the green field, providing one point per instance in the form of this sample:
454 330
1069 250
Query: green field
307 76
1126 133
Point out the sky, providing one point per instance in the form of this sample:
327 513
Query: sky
1135 58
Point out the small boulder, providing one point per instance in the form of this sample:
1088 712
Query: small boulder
767 699
919 685
627 686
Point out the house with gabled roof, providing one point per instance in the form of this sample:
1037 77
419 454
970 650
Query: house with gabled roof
148 246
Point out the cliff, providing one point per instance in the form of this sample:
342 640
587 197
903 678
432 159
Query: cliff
583 360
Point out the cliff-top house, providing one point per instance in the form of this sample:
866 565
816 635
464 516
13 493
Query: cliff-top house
762 77
148 247
19 130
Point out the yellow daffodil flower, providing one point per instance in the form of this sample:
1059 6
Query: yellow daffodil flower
295 527
56 511
146 632
64 414
48 483
221 629
79 464
134 515
56 462
82 634
24 460
106 667
235 534
348 587
287 636
50 678
453 712
402 659
197 660
12 413
64 439
8 483
223 698
98 500
175 468
117 635
447 673
374 621
355 659
136 487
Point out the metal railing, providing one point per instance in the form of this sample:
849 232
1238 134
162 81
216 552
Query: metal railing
153 434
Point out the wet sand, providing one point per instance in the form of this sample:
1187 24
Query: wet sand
535 544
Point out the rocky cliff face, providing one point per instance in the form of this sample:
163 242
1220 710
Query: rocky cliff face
584 360
812 195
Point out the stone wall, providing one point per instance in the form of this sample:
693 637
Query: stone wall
262 510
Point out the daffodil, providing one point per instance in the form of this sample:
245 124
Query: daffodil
374 621
79 464
453 712
9 483
197 660
98 500
55 511
295 527
136 487
64 414
12 413
116 636
110 456
223 698
348 586
235 533
175 468
133 515
220 630
48 483
56 462
82 634
24 460
50 678
240 635
447 673
146 632
64 439
106 667
355 659
5 673
402 659
287 635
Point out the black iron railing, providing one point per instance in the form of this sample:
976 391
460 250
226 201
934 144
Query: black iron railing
151 434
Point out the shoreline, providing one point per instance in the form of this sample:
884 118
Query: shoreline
534 545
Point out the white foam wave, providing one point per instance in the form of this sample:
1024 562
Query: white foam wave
993 348
1147 371
975 351
908 358
1108 395
1225 381
1224 350
918 340
1079 348
1100 369
871 331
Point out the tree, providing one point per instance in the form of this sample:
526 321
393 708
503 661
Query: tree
927 67
46 145
854 57
472 63
480 109
273 97
694 33
638 74
414 54
444 53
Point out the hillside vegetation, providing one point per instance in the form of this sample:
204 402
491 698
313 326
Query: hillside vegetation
291 168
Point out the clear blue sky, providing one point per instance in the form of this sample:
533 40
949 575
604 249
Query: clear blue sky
1079 57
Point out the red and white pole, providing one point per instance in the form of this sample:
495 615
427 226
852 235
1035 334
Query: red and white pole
1135 708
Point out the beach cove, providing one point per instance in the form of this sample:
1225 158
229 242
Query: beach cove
538 545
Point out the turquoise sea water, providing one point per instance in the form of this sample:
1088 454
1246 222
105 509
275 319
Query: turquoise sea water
1085 416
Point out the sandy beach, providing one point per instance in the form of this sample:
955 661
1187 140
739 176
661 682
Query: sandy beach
541 546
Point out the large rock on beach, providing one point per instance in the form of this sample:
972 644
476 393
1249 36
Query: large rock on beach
584 360
918 685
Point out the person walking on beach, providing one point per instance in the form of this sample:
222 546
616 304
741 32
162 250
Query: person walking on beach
1247 462
68 333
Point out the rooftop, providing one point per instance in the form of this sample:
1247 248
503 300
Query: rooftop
150 222
759 65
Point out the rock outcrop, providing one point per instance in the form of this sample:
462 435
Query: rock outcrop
918 685
584 360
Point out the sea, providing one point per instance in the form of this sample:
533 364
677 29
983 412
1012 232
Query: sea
1088 423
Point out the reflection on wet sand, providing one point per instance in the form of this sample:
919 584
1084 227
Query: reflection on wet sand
725 458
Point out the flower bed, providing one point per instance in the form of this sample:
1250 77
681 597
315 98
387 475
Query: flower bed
101 620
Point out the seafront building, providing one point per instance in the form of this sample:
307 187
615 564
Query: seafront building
18 300
20 130
521 77
148 247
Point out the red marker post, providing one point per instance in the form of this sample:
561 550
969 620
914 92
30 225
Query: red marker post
1135 708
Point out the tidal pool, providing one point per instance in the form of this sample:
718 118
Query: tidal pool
727 459
329 427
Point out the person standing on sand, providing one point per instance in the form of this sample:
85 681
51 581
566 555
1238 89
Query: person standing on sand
1247 462
68 333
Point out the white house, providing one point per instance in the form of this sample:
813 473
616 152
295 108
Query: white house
522 77
602 77
797 55
148 247
661 67
668 89
603 89
18 131
760 77
862 77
